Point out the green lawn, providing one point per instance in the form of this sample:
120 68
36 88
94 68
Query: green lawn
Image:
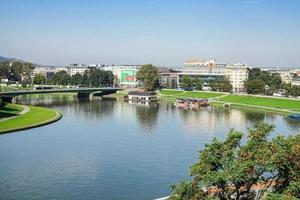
190 94
171 92
35 117
263 101
9 110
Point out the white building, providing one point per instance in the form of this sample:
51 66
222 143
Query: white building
76 68
48 71
237 74
204 69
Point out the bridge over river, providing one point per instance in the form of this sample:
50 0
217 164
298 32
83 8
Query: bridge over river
81 92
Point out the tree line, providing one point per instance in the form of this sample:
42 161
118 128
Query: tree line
90 78
16 71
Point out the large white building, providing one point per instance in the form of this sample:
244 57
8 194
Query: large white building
76 68
237 74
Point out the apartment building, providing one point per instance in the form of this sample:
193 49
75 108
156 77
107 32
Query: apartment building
237 74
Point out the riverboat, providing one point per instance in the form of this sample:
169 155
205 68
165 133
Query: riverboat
294 116
137 96
191 103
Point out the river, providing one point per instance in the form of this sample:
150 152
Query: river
111 150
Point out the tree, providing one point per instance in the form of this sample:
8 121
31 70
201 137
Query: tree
148 77
98 78
39 79
186 82
61 78
255 86
261 167
76 79
198 84
225 86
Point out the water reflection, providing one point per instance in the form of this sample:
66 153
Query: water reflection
109 149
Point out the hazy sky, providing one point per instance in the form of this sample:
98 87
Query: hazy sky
162 32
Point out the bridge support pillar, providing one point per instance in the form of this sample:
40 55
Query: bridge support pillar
83 95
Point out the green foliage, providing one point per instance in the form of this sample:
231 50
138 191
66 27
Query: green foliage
229 170
292 90
148 77
225 86
259 79
76 79
98 78
61 78
255 86
16 71
198 84
186 82
39 79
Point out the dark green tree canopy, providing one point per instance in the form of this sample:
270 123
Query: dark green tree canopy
148 77
261 168
16 71
61 78
98 78
76 79
186 82
259 79
39 79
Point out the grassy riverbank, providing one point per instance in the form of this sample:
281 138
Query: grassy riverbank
10 110
285 105
36 116
189 94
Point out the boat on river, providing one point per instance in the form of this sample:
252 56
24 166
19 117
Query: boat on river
191 103
294 116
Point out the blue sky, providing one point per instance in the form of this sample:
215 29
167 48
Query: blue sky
162 32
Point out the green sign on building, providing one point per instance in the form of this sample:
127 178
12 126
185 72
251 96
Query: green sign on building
127 76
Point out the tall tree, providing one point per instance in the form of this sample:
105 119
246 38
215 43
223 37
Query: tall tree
76 79
198 84
186 82
148 77
61 78
255 86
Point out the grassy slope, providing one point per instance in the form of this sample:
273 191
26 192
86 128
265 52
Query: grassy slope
263 101
190 94
9 110
35 117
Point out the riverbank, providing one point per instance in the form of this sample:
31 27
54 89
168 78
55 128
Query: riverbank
33 117
270 104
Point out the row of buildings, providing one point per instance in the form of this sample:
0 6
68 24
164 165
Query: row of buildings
125 75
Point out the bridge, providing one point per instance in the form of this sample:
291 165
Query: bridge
81 92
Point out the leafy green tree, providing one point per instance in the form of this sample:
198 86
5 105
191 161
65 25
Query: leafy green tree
186 82
76 79
261 167
225 86
147 76
61 78
98 78
255 86
39 79
198 84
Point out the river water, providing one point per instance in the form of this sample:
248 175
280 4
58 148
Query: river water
111 150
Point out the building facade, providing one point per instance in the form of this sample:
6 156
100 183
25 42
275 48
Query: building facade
167 77
237 74
203 69
125 75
